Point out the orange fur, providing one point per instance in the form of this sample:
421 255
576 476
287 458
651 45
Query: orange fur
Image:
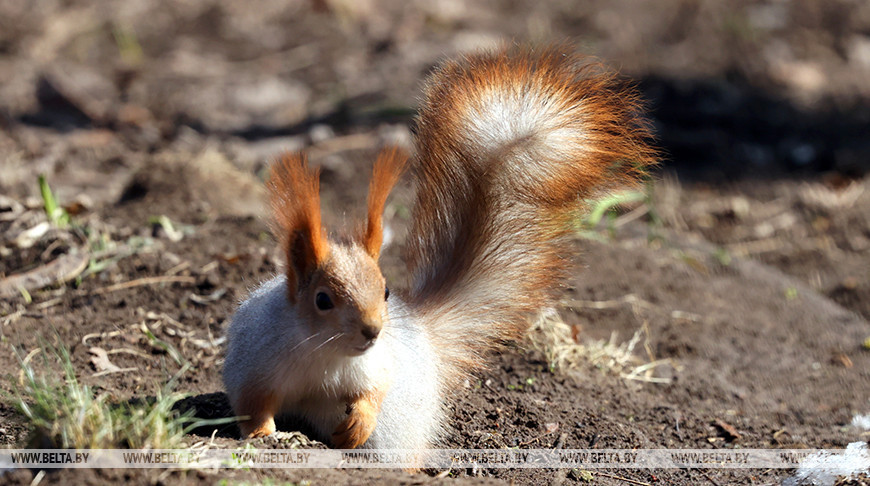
387 170
294 192
509 145
362 417
260 406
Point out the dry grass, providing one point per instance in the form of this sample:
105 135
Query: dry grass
70 415
554 339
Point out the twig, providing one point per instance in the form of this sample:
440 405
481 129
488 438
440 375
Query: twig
144 281
48 303
12 317
620 478
539 437
689 316
38 478
162 316
756 247
704 473
181 266
635 374
646 379
109 372
209 266
609 304
100 335
129 351
631 216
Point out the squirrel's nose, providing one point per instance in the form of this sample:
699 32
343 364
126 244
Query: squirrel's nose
370 332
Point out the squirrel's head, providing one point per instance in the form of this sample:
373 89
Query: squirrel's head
336 286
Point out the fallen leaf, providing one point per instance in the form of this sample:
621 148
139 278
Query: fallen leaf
100 360
731 433
842 360
206 299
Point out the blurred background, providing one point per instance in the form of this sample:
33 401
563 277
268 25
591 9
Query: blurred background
737 89
750 99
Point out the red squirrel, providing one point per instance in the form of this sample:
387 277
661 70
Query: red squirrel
509 145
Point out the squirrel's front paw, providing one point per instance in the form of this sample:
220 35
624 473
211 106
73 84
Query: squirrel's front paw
260 428
355 430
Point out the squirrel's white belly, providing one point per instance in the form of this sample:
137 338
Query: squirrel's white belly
411 413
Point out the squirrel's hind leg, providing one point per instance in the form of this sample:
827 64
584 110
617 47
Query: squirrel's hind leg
261 408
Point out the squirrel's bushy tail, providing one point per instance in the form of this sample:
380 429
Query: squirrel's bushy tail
509 145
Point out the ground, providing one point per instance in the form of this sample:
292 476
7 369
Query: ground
745 277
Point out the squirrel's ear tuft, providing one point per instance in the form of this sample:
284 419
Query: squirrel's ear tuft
294 194
388 168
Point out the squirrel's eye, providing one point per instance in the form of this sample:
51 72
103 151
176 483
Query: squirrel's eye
323 302
386 293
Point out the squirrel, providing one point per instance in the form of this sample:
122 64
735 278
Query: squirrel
509 145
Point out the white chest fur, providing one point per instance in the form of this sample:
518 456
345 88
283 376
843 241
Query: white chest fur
269 346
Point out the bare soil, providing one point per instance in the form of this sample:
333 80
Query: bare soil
747 276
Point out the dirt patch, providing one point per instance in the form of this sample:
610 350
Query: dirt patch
746 279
